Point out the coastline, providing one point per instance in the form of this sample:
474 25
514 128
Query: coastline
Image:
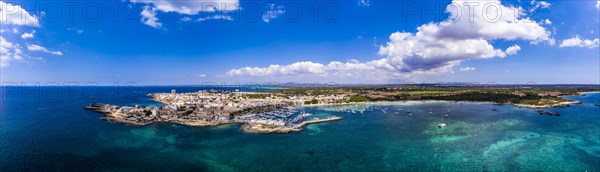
559 104
249 127
246 127
395 102
112 117
587 92
266 129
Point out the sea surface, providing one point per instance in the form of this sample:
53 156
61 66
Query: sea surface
47 129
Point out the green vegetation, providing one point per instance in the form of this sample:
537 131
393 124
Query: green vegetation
519 94
357 99
486 97
313 101
428 92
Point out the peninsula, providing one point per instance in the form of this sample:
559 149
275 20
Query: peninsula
257 112
276 111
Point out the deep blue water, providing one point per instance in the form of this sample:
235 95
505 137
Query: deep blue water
52 132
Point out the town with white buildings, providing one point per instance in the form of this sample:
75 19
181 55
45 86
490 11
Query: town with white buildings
260 111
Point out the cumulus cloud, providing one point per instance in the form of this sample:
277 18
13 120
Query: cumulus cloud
185 7
464 69
34 47
297 68
215 17
9 52
149 17
578 42
598 4
191 7
512 50
435 47
539 5
15 15
13 18
28 35
273 12
545 4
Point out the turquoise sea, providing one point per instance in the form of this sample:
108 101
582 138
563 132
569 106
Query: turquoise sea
46 129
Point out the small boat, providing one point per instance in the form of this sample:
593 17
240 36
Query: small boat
446 116
442 125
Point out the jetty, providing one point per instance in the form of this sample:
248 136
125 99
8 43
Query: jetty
265 128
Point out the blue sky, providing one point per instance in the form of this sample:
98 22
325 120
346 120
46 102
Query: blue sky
187 42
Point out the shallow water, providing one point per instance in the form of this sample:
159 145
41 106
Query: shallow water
60 135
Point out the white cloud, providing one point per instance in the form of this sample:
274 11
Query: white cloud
215 17
578 42
185 7
273 12
435 47
9 52
547 21
538 5
297 68
149 17
364 3
34 47
510 24
78 31
598 4
28 35
200 76
186 19
512 50
13 18
15 15
464 69
545 4
192 7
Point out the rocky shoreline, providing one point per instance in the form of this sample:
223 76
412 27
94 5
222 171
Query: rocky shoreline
140 116
247 127
261 128
560 104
